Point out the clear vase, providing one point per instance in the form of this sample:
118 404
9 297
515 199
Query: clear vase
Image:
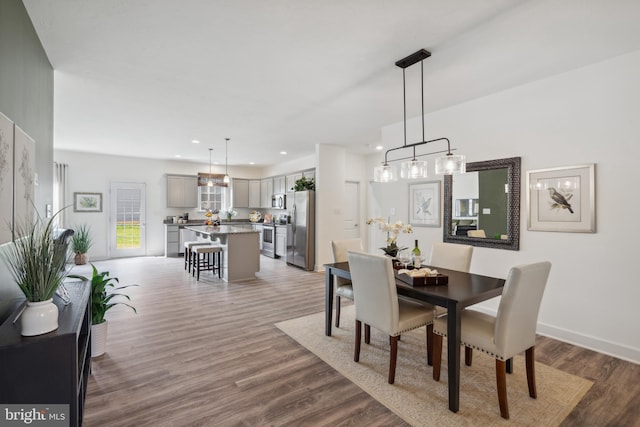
39 318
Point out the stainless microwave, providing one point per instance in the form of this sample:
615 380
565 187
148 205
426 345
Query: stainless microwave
278 201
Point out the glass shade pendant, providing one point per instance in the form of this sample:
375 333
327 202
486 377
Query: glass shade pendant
451 164
209 180
226 178
384 173
414 169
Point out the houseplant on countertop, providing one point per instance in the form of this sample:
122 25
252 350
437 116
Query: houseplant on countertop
80 243
36 263
101 302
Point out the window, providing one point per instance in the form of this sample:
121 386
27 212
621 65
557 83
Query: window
214 198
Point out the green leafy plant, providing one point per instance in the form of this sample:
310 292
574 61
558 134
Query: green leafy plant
36 260
101 299
303 184
81 240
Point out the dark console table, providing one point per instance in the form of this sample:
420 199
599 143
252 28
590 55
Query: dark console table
51 368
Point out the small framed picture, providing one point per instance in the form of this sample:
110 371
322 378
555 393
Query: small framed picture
562 199
424 204
87 202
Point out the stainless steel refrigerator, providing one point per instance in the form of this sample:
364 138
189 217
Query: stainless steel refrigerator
301 235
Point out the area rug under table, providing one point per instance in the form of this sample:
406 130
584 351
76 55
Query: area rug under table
421 401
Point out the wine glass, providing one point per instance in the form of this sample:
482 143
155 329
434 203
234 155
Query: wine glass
404 257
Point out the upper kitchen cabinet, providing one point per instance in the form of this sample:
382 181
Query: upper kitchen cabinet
279 184
182 191
266 191
240 193
291 179
254 193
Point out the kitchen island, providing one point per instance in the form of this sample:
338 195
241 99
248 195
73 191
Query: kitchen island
242 252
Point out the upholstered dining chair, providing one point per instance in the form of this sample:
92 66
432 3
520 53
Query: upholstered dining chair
477 233
377 304
510 332
451 256
343 286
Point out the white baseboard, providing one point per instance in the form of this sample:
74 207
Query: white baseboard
600 345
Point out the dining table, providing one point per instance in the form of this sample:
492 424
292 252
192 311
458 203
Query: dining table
463 289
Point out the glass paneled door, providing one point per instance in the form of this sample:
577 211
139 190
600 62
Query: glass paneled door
127 220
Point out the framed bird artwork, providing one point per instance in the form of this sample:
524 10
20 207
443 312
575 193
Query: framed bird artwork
562 199
424 204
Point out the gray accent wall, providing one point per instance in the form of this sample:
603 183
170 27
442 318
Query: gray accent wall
26 97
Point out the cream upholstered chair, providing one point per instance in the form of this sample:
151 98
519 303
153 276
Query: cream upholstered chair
343 286
377 304
451 256
476 233
510 332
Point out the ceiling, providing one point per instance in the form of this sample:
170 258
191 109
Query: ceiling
144 78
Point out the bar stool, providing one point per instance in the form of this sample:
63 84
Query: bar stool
187 252
205 258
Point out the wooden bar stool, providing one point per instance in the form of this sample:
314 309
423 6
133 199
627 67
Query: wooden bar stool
205 258
187 252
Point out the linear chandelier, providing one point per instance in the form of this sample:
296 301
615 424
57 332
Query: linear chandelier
413 168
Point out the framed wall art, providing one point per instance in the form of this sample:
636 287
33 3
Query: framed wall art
24 178
6 179
562 199
87 202
424 204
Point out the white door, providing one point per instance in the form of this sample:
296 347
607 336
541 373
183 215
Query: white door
351 210
127 220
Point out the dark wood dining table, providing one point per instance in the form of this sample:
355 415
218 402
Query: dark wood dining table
463 290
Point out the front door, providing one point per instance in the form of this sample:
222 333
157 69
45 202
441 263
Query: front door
127 220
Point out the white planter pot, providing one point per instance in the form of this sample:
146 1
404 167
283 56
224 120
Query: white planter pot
39 318
98 339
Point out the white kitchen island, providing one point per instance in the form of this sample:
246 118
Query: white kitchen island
242 252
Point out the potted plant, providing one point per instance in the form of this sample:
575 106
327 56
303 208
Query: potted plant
80 243
304 184
392 229
36 263
101 302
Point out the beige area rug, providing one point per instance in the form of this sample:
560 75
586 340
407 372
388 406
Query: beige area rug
421 401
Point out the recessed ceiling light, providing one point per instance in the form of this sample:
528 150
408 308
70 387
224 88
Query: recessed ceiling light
178 155
379 147
252 163
195 141
283 152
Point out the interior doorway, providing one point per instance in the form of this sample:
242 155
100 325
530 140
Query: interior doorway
351 205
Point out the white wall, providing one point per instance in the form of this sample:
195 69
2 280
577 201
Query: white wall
94 173
589 115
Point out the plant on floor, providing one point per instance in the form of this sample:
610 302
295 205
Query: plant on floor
81 242
102 300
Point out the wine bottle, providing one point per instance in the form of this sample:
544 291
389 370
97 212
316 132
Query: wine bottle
417 259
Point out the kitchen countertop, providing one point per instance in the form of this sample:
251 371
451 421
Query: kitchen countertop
220 230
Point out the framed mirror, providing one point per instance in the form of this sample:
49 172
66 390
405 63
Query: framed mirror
482 206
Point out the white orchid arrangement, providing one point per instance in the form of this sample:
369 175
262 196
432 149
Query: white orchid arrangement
392 230
231 213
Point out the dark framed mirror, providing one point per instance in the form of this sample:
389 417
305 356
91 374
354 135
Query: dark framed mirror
482 206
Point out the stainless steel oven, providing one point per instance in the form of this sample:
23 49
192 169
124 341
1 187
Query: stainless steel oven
268 240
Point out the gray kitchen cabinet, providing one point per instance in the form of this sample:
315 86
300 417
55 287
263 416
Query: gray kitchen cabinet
279 184
266 191
254 193
240 193
182 191
171 240
281 240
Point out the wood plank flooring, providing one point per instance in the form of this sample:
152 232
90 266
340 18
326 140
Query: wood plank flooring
208 354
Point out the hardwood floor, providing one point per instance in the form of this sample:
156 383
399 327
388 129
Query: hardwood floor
208 354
